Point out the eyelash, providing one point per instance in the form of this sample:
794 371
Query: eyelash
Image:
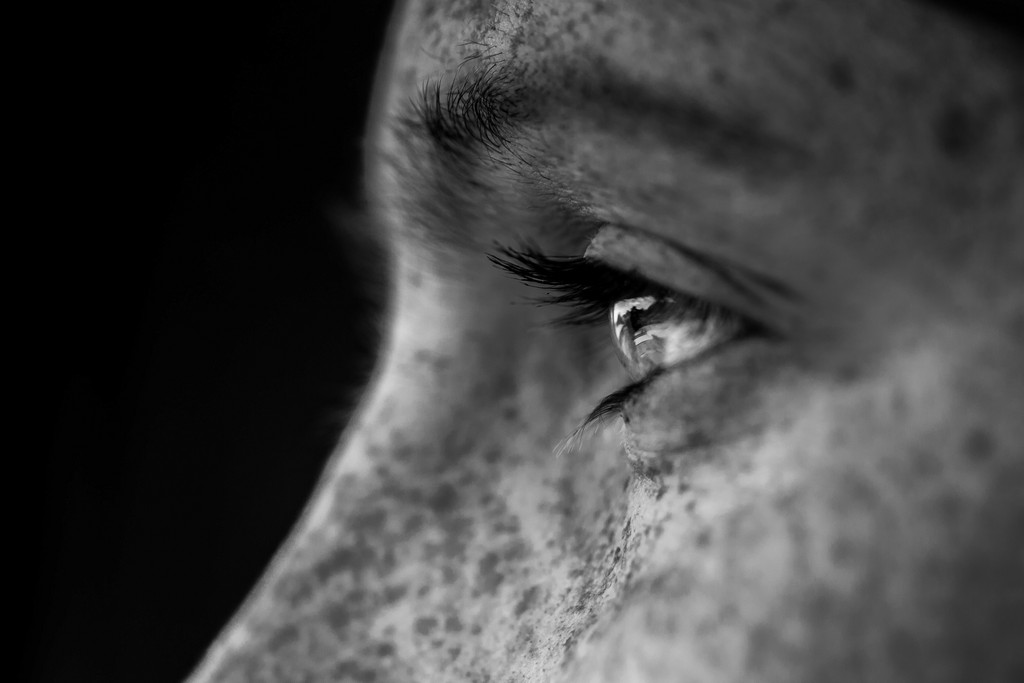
590 288
586 285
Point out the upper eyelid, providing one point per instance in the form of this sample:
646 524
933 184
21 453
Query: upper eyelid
772 303
752 282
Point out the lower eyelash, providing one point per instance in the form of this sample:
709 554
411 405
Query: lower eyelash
610 406
613 404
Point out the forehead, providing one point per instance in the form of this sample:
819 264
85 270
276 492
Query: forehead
891 158
677 41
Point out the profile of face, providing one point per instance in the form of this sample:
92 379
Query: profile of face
704 356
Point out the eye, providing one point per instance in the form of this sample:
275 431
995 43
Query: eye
653 328
653 332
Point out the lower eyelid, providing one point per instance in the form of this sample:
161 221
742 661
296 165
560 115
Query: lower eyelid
619 402
712 400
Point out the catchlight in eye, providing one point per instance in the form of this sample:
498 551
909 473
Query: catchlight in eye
653 332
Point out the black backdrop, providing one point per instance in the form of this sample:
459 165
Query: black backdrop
205 331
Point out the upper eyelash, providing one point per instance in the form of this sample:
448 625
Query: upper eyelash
587 285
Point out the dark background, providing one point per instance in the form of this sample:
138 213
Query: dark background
204 324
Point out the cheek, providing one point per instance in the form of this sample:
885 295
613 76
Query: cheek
704 410
876 529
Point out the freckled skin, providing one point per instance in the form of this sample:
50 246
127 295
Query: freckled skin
845 505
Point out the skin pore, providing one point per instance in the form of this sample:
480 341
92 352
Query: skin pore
837 498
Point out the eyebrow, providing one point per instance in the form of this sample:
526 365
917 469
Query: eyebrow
475 113
484 115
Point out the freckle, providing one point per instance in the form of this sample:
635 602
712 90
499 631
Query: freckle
339 618
515 551
476 629
443 499
489 578
385 650
295 591
950 508
704 538
452 624
425 625
371 521
698 438
423 590
395 593
898 404
709 36
842 551
840 75
923 463
405 452
849 373
979 445
284 637
508 526
347 669
527 600
784 8
413 524
956 131
454 652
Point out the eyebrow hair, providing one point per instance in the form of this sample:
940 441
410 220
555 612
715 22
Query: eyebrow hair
485 113
473 113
